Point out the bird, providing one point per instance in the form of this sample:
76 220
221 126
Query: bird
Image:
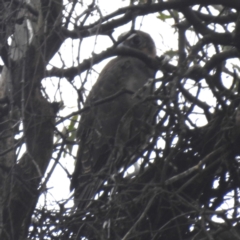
119 122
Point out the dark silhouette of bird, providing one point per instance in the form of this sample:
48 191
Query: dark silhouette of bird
112 130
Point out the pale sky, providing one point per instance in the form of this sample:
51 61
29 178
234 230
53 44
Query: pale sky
165 40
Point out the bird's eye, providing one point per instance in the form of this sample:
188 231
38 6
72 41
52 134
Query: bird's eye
136 41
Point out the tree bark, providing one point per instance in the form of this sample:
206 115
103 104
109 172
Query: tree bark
20 84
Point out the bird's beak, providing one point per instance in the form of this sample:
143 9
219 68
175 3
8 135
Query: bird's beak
120 45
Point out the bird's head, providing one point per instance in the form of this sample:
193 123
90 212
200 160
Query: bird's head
140 41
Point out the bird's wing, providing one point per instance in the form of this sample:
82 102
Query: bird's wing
98 126
135 129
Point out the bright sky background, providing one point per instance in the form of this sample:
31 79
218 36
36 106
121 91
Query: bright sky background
165 40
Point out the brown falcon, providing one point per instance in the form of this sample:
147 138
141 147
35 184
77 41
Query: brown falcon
117 122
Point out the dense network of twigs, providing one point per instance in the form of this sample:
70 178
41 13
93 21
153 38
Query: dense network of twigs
188 174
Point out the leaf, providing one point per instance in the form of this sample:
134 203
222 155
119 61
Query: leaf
72 130
163 16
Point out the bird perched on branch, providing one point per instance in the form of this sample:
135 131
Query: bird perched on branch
119 118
